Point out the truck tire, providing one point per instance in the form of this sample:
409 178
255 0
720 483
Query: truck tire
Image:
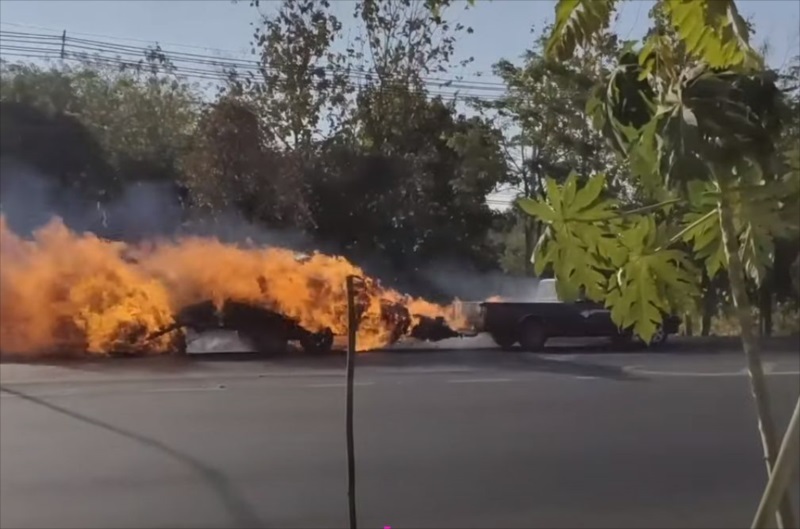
504 340
658 339
317 343
532 335
623 339
268 344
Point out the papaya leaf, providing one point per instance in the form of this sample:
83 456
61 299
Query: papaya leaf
705 235
762 212
539 210
762 219
576 22
651 283
580 241
714 31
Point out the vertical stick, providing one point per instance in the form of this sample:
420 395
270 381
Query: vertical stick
752 351
782 472
352 327
63 43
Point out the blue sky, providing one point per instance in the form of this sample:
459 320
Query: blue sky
502 27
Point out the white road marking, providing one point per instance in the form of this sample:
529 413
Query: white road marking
84 391
421 370
337 385
695 374
61 393
182 390
557 357
478 380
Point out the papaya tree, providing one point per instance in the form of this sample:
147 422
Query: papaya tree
700 134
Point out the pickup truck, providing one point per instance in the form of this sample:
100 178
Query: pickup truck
532 323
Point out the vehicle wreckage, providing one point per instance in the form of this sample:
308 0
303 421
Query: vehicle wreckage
269 331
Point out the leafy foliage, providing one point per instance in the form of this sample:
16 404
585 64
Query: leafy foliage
618 259
576 22
715 31
542 116
652 282
712 30
699 121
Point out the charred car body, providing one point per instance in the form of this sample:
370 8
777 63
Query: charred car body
264 329
268 331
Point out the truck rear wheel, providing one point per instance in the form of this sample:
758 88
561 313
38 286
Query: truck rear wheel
658 339
532 335
268 344
317 343
504 340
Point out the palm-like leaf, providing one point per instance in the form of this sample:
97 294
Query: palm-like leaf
714 31
576 22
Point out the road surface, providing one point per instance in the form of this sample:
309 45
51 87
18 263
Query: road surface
460 439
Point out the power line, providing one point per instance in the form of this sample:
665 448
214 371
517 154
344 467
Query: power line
221 51
188 65
12 40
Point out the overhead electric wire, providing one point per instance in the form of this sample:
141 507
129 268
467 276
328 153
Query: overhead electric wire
65 45
57 33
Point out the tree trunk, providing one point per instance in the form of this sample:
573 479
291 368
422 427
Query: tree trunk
758 386
765 308
709 304
530 225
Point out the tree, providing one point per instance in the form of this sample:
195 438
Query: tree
303 81
703 134
231 168
543 116
143 125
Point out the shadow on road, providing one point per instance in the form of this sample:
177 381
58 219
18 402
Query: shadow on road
501 362
241 512
541 364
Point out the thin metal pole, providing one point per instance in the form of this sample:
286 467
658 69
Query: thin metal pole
352 327
782 472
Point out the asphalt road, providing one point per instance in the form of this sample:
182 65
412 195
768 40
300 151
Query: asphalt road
466 439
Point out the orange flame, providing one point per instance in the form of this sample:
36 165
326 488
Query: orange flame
63 291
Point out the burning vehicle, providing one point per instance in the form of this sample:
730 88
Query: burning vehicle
267 331
64 293
264 329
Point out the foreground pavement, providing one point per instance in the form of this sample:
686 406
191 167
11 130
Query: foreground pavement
461 439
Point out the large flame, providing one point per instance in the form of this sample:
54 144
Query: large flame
62 291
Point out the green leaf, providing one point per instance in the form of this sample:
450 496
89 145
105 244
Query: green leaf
539 210
705 235
714 31
588 194
762 219
651 282
580 241
576 22
645 155
761 216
